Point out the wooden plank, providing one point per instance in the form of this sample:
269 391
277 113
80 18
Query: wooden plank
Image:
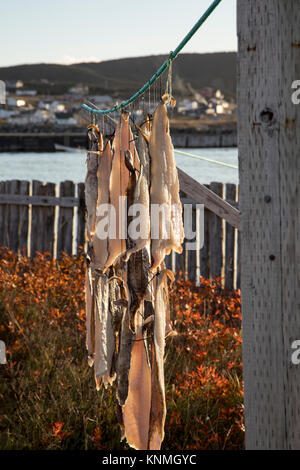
202 195
2 215
65 220
36 223
38 200
216 237
24 219
268 133
191 254
49 221
204 252
42 220
81 234
13 224
6 216
180 258
230 239
289 225
239 257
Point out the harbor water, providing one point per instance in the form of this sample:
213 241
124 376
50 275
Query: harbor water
61 166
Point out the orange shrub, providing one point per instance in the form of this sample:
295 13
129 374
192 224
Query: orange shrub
47 393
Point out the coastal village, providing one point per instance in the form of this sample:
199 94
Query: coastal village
25 107
33 121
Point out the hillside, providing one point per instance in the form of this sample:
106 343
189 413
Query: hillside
123 76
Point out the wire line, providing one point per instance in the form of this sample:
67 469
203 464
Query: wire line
162 68
198 157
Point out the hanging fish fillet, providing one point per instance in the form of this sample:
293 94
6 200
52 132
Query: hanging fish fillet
91 182
125 346
119 178
165 187
142 147
141 201
158 404
89 310
138 266
136 411
104 333
100 245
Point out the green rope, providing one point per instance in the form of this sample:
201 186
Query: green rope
163 67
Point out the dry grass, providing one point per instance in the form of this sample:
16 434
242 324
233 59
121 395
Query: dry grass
47 392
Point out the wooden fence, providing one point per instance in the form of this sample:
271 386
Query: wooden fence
36 216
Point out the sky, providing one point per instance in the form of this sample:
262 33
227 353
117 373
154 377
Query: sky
70 31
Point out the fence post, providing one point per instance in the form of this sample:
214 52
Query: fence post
65 220
269 143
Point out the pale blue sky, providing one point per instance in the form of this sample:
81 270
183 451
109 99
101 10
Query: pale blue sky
67 31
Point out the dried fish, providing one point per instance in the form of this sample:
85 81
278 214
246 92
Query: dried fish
125 344
89 310
164 187
100 240
136 411
104 333
119 179
91 182
158 404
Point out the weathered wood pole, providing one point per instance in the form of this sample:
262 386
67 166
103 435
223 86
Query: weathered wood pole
269 148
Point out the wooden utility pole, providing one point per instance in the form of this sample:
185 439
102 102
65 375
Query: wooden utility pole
269 158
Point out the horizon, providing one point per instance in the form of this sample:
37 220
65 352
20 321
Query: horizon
111 60
67 39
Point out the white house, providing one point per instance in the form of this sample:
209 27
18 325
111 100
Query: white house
101 100
34 116
65 119
52 105
26 92
7 113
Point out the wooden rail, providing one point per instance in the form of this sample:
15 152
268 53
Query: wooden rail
36 216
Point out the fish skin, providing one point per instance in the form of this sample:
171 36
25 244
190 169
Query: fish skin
137 258
125 346
104 333
119 179
136 410
91 181
142 147
141 197
89 311
103 174
165 187
158 402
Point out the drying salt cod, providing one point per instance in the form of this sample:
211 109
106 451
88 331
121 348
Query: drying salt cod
118 183
100 245
127 305
165 187
91 181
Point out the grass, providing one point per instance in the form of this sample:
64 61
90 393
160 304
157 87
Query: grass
48 398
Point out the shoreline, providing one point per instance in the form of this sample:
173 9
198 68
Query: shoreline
45 141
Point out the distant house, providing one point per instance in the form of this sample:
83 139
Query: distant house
186 106
15 102
7 113
101 100
79 90
2 92
65 119
52 105
14 85
207 92
26 92
33 116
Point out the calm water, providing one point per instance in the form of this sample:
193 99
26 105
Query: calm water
60 166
